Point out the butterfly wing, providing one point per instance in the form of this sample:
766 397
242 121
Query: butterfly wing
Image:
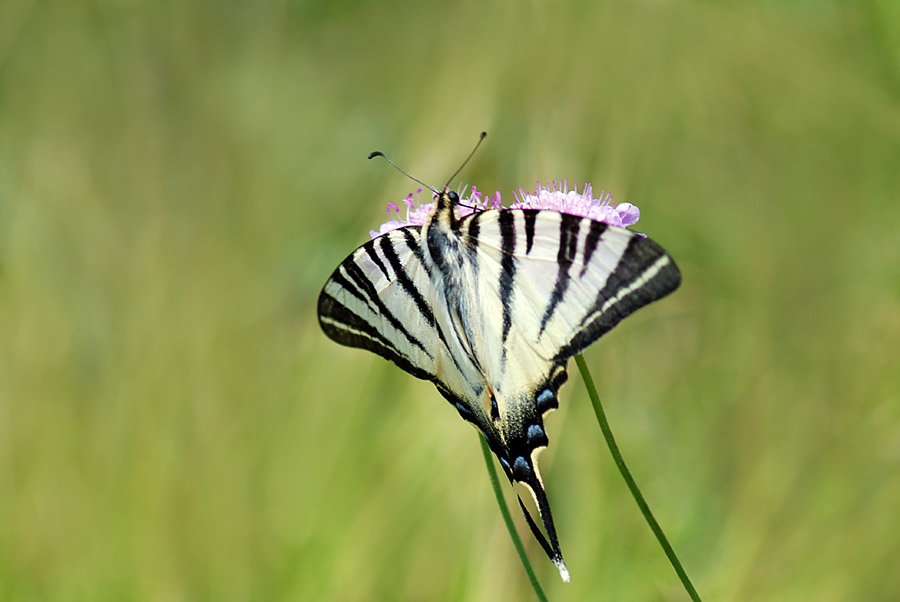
529 289
560 281
376 300
545 285
382 298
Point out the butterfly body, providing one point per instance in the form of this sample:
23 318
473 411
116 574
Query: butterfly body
490 307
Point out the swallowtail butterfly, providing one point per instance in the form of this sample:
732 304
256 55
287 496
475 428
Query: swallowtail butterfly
490 307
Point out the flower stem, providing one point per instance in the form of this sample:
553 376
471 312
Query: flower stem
498 493
629 480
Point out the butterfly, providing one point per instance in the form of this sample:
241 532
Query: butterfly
490 307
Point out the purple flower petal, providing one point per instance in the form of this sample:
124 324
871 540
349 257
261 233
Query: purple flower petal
628 213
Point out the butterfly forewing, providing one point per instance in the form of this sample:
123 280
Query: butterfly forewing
381 298
376 299
572 279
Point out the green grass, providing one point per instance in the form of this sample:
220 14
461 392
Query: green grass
177 181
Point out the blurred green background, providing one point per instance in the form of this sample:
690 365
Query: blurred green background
178 179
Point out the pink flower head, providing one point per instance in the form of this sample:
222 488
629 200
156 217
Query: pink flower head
559 198
417 212
556 197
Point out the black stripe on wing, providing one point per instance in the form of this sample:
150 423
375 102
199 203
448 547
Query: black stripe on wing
590 243
373 255
412 241
387 247
507 269
530 219
644 273
471 241
568 243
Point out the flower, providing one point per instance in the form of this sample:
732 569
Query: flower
417 212
555 197
560 198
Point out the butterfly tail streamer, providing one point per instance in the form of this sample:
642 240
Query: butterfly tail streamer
524 471
551 547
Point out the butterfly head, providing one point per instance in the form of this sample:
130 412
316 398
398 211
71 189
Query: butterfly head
447 200
445 214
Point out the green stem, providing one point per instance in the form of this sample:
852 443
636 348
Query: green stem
626 474
498 493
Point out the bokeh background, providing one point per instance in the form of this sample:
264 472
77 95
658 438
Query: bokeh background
178 179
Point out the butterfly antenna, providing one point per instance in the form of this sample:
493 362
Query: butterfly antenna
456 173
374 154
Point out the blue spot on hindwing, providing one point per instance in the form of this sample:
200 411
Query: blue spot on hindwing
546 400
465 412
536 436
521 469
